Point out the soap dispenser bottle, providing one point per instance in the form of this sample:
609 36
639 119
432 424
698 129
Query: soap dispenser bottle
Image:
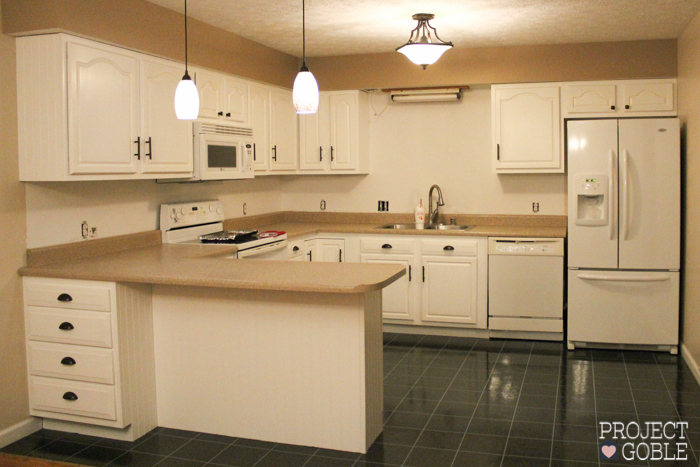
419 215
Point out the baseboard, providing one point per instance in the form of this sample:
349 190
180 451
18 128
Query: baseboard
20 430
688 357
435 330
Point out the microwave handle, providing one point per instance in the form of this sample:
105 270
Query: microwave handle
254 156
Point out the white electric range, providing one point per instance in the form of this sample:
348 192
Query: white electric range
201 223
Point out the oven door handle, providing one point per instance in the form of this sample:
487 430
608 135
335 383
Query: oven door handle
262 249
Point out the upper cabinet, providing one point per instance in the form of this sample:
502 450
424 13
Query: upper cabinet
638 98
336 138
283 131
89 111
222 97
526 129
259 104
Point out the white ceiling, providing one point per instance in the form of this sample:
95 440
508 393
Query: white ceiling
345 27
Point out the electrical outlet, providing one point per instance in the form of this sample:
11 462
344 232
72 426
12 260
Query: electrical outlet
84 230
245 209
323 205
535 207
383 206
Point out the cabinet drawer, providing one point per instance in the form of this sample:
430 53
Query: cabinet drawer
73 362
81 327
77 297
92 400
450 247
386 245
295 250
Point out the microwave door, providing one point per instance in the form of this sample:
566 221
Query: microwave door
221 158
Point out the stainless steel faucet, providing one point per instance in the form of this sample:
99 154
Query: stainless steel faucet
432 215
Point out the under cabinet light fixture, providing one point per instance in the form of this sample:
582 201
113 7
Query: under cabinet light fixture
421 48
305 91
186 94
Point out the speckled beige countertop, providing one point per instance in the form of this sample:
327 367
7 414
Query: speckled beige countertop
142 258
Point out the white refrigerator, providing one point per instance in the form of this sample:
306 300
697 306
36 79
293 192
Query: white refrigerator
624 233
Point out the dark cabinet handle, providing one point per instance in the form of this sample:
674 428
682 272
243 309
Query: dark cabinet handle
320 153
309 255
64 297
409 273
332 153
70 396
296 248
221 114
254 155
67 361
228 114
340 256
612 107
150 148
386 246
627 106
449 248
498 152
274 156
65 326
423 273
138 148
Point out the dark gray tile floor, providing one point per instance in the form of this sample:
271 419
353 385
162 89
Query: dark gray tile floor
451 402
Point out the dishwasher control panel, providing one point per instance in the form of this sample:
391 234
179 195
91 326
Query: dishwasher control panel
526 246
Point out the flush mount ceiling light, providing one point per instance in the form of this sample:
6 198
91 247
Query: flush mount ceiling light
421 48
305 92
186 95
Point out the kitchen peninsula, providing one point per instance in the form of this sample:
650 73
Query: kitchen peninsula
277 351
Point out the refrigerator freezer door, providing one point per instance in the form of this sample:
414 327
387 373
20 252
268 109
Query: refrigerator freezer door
650 195
623 307
592 149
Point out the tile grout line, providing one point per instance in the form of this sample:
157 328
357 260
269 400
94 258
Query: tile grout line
500 351
595 406
556 405
629 383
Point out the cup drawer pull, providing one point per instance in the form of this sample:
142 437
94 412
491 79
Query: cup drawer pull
69 361
386 246
66 326
70 396
449 248
64 297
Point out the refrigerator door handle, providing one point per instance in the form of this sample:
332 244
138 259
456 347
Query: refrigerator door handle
625 195
611 194
590 277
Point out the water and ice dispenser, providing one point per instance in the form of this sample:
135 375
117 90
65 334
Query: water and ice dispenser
591 193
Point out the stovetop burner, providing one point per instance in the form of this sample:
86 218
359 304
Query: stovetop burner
230 236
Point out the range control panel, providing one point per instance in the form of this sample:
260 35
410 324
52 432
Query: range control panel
187 214
526 246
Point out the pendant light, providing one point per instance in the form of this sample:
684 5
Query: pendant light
186 94
421 49
305 93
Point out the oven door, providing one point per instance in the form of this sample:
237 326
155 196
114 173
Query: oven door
223 157
273 251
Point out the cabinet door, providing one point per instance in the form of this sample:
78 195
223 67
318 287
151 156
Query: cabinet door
311 251
589 98
211 94
647 97
343 111
283 131
449 289
331 250
236 101
398 299
314 138
260 123
526 130
103 111
166 142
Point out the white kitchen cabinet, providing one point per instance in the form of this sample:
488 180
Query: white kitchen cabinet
236 101
259 105
222 97
449 292
399 298
336 138
283 131
166 142
631 98
90 356
90 111
526 129
325 250
103 110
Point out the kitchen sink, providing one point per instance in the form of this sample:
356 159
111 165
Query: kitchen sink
427 227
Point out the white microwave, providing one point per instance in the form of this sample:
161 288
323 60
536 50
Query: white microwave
222 152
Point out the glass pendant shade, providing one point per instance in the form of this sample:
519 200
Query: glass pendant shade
186 100
424 54
305 92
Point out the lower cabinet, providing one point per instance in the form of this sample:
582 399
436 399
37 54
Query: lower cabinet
399 298
449 292
325 250
90 356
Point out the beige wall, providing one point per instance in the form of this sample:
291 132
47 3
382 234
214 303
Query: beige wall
531 63
140 25
13 374
689 111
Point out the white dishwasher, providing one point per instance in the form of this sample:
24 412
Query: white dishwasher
526 288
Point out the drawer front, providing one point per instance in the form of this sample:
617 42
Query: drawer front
72 362
387 245
79 327
76 297
91 400
295 250
450 247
